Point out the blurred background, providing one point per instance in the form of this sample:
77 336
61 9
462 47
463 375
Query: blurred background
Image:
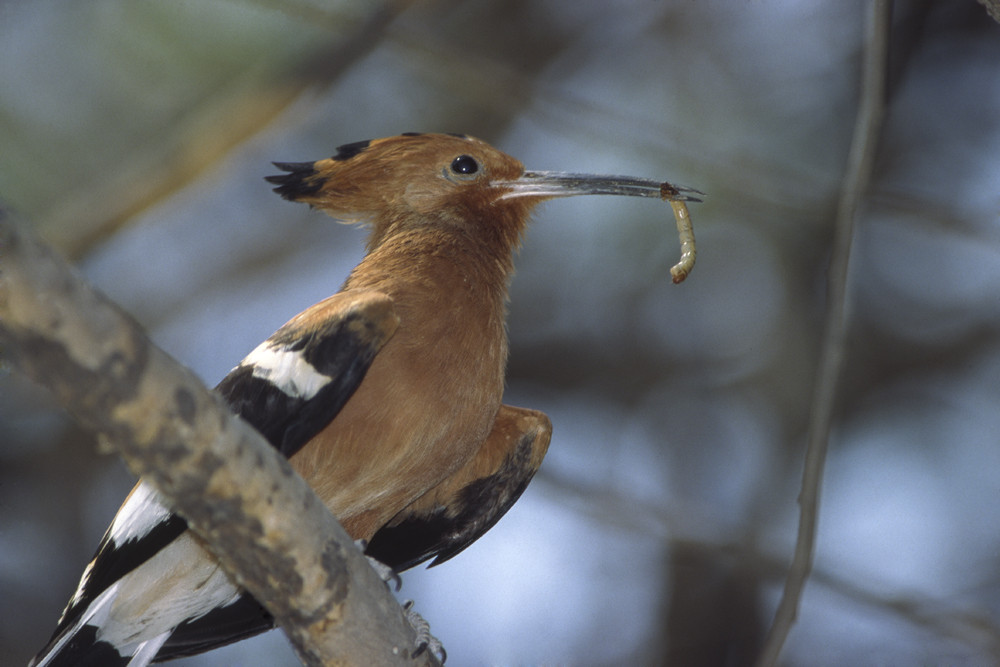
135 137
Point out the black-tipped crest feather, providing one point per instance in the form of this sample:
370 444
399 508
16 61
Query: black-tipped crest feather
301 181
347 151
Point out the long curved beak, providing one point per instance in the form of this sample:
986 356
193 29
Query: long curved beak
548 184
563 184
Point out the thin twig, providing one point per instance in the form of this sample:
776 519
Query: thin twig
857 177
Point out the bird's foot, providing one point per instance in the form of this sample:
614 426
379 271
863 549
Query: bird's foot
425 640
384 572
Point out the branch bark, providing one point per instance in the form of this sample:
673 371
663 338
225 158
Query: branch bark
265 524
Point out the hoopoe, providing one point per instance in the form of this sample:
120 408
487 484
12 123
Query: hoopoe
410 448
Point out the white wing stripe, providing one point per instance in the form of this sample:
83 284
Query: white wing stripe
287 370
140 514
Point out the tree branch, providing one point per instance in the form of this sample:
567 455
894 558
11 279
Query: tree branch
857 176
260 518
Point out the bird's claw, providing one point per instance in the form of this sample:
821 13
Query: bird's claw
384 572
425 641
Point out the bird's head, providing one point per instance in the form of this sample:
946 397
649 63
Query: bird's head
419 179
408 179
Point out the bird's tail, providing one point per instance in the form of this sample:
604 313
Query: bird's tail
79 643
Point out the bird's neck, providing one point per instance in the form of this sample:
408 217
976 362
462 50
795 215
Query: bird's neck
442 262
450 294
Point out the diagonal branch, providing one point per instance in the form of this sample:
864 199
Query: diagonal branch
860 163
262 521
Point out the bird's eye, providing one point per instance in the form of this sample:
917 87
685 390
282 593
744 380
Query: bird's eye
464 165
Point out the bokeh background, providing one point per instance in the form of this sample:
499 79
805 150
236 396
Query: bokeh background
135 136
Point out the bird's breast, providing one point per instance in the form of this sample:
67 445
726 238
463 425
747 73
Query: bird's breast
425 406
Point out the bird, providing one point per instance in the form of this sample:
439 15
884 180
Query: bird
410 446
